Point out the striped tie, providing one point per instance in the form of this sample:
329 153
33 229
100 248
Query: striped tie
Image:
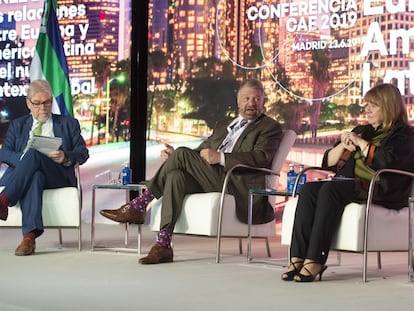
228 141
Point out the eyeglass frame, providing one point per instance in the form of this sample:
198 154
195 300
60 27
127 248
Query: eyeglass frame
46 103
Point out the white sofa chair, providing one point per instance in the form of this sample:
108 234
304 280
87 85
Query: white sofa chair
61 210
365 227
213 214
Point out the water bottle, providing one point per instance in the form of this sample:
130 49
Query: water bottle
126 174
291 178
302 178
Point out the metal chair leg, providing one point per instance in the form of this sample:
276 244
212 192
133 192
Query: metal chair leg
379 263
240 246
60 237
338 258
268 247
80 237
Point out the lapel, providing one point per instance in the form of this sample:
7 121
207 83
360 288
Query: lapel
25 131
222 131
57 126
250 127
27 126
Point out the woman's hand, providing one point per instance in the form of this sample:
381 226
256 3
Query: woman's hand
349 140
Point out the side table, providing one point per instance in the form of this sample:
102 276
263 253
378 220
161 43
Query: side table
252 193
127 189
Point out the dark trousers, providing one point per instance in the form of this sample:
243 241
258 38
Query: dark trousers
25 183
184 172
318 212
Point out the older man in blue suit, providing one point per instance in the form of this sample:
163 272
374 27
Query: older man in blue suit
30 171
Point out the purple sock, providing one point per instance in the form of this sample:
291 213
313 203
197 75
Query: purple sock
164 238
140 202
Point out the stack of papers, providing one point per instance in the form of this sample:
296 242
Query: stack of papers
44 144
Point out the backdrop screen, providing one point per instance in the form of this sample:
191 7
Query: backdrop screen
96 43
315 57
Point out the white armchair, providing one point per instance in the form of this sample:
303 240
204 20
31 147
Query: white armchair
61 210
213 214
365 227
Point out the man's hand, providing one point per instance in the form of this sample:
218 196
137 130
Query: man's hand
167 151
57 156
210 155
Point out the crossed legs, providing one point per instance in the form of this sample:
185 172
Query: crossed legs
184 172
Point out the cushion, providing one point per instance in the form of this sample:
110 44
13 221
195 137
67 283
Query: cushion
387 229
60 208
199 216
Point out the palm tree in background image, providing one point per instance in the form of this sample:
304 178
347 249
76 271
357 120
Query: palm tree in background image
319 71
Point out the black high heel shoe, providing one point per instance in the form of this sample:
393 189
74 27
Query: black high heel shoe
289 275
309 277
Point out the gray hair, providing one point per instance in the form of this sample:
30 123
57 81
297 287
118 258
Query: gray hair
39 86
253 83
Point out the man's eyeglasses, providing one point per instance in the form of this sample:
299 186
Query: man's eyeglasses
46 103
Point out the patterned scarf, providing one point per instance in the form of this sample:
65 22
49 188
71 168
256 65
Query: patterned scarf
363 170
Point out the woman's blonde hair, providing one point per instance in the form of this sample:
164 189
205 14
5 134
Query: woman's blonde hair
388 97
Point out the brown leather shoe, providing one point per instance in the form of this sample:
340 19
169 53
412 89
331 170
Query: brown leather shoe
4 213
4 206
26 247
158 254
125 214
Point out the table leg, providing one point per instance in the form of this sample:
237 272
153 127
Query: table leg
139 240
93 220
127 225
126 234
249 225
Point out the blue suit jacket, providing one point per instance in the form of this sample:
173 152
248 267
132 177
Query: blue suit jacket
63 126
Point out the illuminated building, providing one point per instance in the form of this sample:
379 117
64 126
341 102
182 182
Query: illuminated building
158 26
160 33
396 65
190 36
104 27
190 33
231 32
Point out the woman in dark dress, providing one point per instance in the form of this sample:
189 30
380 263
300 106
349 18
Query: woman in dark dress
386 141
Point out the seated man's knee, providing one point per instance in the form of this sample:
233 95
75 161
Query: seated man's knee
181 152
175 175
31 155
38 178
